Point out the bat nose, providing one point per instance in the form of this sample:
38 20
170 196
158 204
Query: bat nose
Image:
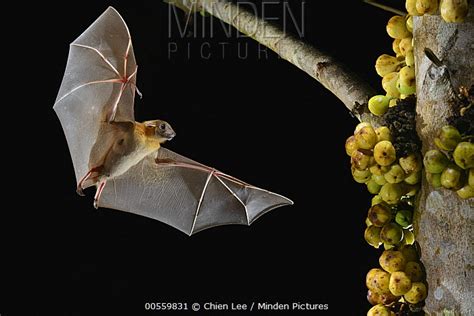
170 134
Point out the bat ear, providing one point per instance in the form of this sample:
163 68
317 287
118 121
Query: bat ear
150 123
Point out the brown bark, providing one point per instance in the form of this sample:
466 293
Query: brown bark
444 222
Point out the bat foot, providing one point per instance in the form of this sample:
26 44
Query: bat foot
100 188
80 191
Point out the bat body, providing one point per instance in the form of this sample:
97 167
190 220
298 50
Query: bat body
124 158
120 146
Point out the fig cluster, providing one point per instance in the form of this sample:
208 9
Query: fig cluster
390 226
451 164
398 283
452 11
387 160
374 162
397 72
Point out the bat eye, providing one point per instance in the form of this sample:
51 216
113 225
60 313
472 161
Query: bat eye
162 126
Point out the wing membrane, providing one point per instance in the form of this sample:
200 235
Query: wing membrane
188 199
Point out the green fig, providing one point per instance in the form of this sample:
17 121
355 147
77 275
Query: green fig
406 82
379 215
384 153
383 133
427 6
396 27
396 46
391 234
384 299
378 104
406 45
414 178
391 193
373 298
377 281
360 160
351 145
466 192
395 174
361 125
410 163
366 138
408 237
386 64
416 294
389 84
448 138
399 283
454 11
451 177
410 59
373 187
392 260
361 176
410 6
464 155
435 161
404 218
372 236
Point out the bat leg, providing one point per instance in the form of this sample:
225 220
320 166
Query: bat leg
100 188
88 176
80 189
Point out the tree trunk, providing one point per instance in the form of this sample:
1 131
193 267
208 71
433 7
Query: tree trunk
444 222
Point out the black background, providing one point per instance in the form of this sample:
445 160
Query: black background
261 120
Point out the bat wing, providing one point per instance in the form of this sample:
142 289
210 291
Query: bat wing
189 199
98 85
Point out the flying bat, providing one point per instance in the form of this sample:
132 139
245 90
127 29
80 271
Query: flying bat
124 159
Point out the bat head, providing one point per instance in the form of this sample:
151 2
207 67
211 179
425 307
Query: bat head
162 130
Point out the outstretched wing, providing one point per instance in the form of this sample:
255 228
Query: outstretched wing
98 85
189 199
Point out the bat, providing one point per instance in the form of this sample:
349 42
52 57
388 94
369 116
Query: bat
124 159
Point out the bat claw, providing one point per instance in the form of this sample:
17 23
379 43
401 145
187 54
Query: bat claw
96 204
80 191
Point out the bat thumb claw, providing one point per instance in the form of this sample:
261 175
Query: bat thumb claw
96 205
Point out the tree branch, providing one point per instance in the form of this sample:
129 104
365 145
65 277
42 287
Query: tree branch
345 85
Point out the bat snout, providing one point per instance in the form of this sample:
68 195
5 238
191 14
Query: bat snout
166 131
169 135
